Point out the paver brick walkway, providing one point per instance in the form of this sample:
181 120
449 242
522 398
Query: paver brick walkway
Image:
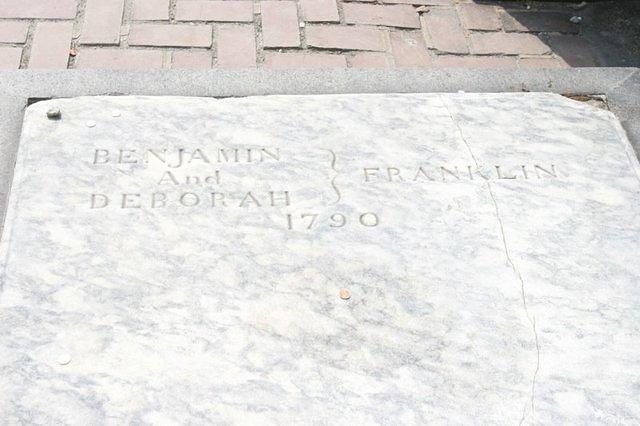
140 34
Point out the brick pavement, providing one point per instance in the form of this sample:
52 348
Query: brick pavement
142 34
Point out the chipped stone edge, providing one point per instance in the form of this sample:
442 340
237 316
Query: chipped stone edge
620 86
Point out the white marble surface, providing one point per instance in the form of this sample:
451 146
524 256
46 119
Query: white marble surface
473 300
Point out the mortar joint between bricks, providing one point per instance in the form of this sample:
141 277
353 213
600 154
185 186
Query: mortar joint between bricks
215 32
12 44
257 28
125 24
386 31
167 59
309 50
348 56
173 4
26 49
480 30
341 20
78 20
149 48
302 28
28 20
76 32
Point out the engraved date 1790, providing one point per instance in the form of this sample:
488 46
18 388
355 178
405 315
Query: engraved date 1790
336 220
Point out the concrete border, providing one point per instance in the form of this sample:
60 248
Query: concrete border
621 86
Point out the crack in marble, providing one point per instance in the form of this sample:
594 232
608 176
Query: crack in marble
335 176
516 271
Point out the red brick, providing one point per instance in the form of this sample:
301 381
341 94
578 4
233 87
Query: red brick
450 61
479 17
51 44
170 35
403 16
119 59
10 57
443 31
236 46
13 32
319 10
218 11
151 10
39 9
370 60
409 50
507 43
280 24
187 59
304 60
548 62
102 22
347 38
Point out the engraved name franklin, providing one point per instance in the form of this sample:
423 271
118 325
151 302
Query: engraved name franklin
443 173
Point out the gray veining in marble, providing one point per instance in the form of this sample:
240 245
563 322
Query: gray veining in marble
180 260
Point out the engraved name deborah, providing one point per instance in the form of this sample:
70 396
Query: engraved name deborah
197 178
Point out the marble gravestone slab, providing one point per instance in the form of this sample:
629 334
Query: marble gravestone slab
458 258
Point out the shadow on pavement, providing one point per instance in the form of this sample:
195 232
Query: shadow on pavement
605 33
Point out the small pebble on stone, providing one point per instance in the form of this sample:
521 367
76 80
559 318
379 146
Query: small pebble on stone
579 6
64 359
54 114
345 294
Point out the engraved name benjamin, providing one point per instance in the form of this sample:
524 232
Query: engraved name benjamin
175 158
